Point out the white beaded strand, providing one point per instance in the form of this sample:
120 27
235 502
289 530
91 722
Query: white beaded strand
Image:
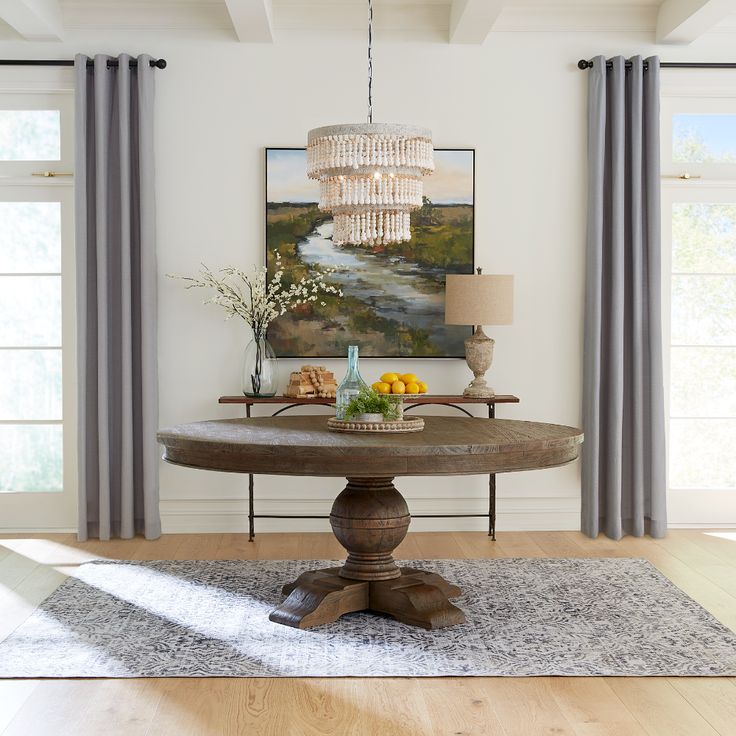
370 175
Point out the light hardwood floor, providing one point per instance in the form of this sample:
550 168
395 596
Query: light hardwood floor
703 564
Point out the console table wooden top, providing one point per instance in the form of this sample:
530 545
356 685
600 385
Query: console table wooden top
408 398
303 445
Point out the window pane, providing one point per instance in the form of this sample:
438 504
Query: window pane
704 138
702 453
703 238
704 310
31 458
31 384
30 311
30 135
703 382
30 234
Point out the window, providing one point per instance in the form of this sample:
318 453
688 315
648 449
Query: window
30 347
37 362
699 137
699 247
30 135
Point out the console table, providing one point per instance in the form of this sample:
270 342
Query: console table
455 402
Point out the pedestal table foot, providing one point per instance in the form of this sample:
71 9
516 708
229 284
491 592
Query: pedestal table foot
417 598
320 597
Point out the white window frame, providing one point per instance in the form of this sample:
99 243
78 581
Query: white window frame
39 510
692 92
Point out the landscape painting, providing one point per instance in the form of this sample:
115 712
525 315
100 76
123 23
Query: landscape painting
393 302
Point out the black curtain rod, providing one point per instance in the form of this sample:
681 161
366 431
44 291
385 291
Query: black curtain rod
158 63
584 64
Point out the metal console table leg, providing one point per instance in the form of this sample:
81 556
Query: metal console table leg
251 483
492 489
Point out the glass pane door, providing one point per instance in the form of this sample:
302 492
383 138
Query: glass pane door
699 244
37 365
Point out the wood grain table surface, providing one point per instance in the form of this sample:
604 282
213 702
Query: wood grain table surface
303 445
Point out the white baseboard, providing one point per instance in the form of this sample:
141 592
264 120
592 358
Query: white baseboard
37 530
201 515
713 525
220 515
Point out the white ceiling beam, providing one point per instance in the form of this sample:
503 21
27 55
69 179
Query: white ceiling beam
472 20
682 21
252 20
35 20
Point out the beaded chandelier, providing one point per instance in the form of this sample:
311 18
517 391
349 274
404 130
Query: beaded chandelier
370 174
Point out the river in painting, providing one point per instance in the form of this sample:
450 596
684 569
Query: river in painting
395 289
393 299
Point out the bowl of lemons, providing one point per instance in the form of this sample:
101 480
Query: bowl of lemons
400 384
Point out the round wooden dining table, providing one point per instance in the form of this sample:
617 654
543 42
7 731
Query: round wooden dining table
369 517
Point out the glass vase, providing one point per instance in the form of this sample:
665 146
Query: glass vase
259 368
350 386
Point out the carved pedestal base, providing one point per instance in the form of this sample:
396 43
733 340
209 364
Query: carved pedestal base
370 519
416 597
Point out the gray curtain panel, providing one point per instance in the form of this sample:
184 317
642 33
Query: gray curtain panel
623 482
116 299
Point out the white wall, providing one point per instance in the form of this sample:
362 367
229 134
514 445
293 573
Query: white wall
529 222
519 100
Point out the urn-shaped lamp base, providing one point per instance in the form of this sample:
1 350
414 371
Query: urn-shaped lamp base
479 356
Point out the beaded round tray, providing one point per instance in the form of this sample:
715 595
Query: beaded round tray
408 424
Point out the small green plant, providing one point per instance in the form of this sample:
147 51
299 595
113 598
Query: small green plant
369 401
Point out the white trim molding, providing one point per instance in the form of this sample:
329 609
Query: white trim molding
436 21
472 20
711 525
684 21
252 20
35 20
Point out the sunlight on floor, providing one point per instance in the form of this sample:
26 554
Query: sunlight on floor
13 693
47 552
730 536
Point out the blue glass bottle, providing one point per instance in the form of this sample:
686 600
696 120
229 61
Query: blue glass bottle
350 386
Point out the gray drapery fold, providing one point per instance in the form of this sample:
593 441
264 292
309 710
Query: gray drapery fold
623 468
116 299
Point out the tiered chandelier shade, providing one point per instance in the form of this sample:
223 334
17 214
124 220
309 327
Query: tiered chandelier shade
370 178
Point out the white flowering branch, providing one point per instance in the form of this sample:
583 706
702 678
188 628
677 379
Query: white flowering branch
255 299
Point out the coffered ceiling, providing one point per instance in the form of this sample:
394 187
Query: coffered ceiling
443 21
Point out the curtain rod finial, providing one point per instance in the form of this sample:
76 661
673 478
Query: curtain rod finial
160 63
585 64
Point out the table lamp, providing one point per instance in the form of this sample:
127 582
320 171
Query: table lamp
479 299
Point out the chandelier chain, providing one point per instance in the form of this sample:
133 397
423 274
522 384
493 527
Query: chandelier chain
370 61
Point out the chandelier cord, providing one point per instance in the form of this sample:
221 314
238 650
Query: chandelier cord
370 61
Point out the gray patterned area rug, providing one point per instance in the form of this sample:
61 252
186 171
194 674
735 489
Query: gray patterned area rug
524 617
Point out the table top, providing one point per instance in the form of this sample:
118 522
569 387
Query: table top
408 398
303 445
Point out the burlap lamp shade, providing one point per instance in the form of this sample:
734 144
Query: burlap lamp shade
479 299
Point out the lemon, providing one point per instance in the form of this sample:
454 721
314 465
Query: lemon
382 387
398 387
408 378
422 387
390 378
412 387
